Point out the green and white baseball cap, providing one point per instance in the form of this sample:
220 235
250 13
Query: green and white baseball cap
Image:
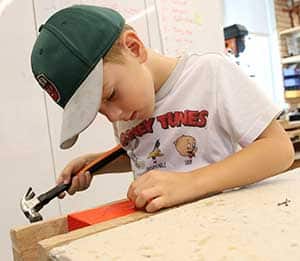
67 61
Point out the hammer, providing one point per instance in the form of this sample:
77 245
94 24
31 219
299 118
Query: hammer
31 205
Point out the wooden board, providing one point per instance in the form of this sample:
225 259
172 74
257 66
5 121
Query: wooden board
32 242
46 245
24 239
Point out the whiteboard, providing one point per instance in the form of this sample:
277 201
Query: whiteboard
190 25
169 26
134 12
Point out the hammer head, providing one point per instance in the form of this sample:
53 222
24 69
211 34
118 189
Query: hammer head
30 206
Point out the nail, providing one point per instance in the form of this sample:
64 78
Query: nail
284 202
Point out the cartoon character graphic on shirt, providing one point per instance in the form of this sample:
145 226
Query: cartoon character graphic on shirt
130 151
186 146
154 154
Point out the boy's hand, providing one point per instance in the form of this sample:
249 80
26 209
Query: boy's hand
79 182
158 189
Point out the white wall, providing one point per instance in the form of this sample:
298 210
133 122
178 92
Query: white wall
262 52
25 155
251 13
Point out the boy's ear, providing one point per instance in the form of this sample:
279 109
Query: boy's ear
134 46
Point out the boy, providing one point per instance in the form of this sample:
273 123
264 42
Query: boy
180 120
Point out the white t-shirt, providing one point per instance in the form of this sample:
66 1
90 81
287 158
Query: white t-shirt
203 112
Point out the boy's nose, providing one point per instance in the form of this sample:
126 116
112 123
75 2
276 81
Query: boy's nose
111 112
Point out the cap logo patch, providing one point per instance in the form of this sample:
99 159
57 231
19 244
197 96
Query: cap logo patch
48 86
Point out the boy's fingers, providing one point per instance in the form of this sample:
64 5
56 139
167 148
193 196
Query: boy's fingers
66 173
131 194
144 197
74 187
79 182
59 180
63 178
155 204
62 195
73 167
89 178
82 180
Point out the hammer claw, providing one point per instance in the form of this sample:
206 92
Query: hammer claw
28 192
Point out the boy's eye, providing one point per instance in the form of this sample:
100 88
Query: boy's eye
111 96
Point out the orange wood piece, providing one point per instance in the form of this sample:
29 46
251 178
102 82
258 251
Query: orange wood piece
101 214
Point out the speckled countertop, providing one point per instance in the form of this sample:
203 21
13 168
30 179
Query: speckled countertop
259 222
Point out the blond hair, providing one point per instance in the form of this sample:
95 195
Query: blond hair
114 55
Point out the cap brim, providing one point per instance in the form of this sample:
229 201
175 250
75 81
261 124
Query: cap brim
82 108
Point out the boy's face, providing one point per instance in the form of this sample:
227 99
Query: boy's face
128 90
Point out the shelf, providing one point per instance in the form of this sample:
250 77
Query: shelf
291 59
290 31
295 102
292 129
297 155
288 125
292 94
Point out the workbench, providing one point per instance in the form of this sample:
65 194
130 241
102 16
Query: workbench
256 222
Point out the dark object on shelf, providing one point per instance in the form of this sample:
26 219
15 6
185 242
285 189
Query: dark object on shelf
235 38
294 116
